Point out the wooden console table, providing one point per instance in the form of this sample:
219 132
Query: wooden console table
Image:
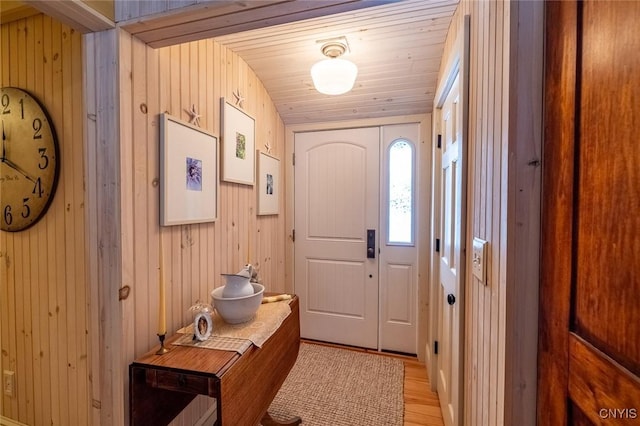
161 386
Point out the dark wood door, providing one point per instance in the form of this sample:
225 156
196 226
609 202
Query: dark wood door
589 345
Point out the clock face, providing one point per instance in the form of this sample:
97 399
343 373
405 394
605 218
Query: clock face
29 160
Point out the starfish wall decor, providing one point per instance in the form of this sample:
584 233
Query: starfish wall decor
194 117
239 98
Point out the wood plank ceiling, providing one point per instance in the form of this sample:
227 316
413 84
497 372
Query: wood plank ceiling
397 47
396 44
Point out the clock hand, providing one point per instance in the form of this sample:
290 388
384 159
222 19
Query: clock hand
18 169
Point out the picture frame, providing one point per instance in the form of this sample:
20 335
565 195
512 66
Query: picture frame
238 145
268 184
202 326
188 173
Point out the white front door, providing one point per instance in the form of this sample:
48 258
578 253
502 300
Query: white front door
450 232
336 203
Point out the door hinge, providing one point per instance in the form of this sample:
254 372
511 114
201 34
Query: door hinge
293 158
437 245
435 347
293 235
439 143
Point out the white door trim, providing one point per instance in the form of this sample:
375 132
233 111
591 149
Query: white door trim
457 65
424 208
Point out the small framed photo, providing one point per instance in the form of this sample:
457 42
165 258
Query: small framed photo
238 145
268 184
202 326
188 173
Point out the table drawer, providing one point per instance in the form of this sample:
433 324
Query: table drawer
181 382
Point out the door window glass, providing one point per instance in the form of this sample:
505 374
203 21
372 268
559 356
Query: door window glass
401 192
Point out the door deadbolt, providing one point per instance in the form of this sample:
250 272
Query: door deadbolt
451 299
371 243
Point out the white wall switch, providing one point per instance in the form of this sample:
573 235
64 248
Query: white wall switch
479 260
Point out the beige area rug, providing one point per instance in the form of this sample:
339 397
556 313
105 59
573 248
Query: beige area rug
338 387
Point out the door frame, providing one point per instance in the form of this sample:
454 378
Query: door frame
423 209
458 66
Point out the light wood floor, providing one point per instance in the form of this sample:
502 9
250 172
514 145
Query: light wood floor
421 405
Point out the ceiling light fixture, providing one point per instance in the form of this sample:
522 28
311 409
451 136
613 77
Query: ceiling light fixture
334 76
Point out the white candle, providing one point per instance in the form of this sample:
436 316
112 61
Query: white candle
162 316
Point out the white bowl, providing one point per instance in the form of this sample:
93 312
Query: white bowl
236 310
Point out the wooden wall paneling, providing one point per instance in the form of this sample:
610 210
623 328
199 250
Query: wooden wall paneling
38 263
172 235
52 249
90 168
25 388
214 92
494 220
49 238
127 201
143 258
4 67
81 309
197 229
57 244
501 265
65 243
38 286
205 99
479 145
127 9
73 335
495 142
234 213
210 101
147 108
186 236
148 7
109 227
522 129
163 105
203 110
282 231
473 341
4 315
44 323
226 91
5 306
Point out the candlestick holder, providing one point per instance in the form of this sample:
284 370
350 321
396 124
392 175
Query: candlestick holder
163 350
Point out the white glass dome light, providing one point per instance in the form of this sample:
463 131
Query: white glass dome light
334 76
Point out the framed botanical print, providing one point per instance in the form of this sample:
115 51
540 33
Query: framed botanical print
268 184
238 145
188 173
